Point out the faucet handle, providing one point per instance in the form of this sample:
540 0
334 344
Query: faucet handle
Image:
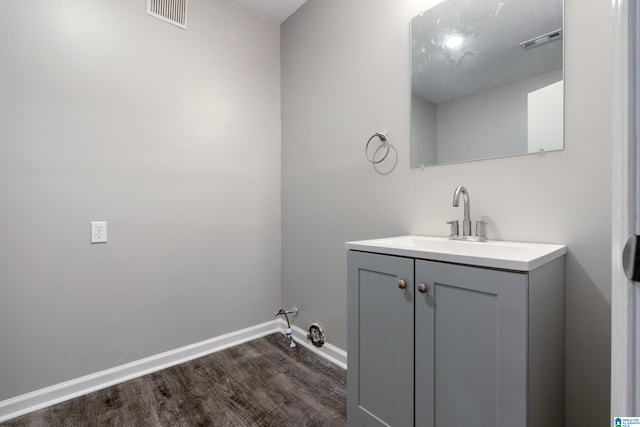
454 233
481 230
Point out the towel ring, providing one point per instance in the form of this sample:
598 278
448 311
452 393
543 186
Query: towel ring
382 136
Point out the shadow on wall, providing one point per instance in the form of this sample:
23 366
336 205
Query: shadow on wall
588 331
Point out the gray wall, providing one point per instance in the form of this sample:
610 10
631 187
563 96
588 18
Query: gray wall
344 78
171 136
496 117
494 124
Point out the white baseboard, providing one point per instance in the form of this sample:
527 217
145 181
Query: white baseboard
23 404
29 402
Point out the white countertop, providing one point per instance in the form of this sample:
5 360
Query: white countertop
492 253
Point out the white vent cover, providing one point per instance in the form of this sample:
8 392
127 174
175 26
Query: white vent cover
171 11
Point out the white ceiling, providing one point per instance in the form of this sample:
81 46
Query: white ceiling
276 11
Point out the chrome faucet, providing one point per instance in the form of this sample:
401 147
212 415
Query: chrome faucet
466 222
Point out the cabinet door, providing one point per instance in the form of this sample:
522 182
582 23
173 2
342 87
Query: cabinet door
380 340
471 346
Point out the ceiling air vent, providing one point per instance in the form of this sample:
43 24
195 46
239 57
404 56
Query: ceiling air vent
171 11
540 40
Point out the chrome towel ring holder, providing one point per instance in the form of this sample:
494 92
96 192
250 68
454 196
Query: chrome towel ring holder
384 139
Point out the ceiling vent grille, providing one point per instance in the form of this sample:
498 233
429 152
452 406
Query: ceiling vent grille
171 11
540 40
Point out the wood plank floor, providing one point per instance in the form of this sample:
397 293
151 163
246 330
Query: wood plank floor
258 383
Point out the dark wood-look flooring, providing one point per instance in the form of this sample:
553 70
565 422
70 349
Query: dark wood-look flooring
258 383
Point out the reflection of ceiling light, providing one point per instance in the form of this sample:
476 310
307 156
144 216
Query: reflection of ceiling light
453 41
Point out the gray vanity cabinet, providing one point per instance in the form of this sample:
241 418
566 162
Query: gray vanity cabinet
471 346
380 385
460 345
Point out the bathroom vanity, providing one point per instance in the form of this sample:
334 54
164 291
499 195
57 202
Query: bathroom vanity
453 333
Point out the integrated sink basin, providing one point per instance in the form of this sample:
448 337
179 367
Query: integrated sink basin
493 253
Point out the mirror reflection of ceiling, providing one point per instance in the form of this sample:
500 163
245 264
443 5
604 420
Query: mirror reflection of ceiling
489 54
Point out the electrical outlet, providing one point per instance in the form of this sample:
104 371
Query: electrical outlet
98 231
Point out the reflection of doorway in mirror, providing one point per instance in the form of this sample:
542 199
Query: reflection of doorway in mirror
545 118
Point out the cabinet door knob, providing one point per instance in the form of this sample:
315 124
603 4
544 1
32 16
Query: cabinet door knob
402 284
422 288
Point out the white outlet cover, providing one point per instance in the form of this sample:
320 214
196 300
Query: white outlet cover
98 231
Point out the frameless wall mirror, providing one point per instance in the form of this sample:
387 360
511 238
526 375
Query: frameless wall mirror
486 80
